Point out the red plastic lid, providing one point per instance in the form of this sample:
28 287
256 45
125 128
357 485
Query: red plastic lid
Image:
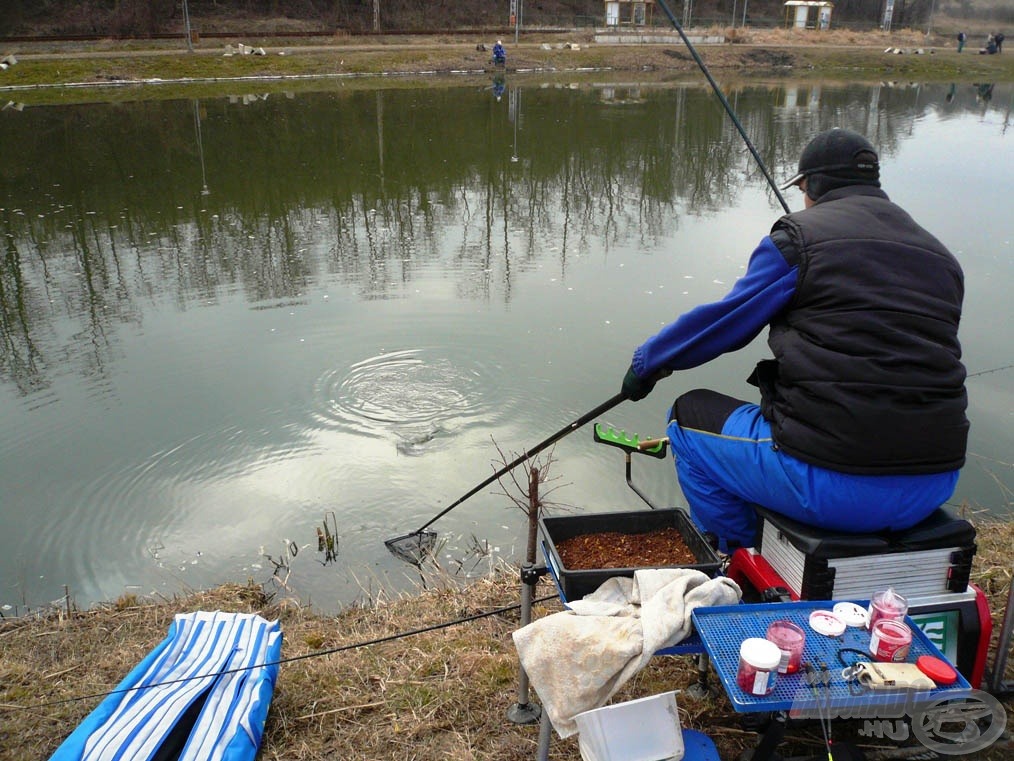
939 671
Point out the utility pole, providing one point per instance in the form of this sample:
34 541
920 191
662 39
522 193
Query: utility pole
516 11
929 22
186 25
888 14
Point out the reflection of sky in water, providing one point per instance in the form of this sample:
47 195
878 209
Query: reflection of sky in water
967 165
233 380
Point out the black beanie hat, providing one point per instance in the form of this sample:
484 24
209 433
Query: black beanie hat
836 158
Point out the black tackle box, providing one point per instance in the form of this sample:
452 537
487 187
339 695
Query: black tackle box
575 584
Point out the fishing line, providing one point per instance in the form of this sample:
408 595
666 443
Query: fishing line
985 372
280 661
725 102
813 678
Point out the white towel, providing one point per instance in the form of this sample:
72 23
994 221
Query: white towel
577 659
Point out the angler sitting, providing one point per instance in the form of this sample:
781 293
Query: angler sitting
499 54
861 424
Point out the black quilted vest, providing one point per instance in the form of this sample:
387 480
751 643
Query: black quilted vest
867 376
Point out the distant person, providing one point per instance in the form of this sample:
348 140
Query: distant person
998 39
990 48
962 38
499 54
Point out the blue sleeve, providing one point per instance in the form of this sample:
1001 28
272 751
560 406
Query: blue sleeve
710 330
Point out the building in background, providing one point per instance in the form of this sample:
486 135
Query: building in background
808 14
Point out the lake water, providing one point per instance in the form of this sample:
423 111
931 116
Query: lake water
229 322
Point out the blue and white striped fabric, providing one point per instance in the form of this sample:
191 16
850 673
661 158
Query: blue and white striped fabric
209 696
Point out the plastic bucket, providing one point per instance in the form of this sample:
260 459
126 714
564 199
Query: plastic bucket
647 729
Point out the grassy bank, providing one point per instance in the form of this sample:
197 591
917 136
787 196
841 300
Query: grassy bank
441 694
756 54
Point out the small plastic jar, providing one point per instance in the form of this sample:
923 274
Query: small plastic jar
758 666
887 604
890 641
790 640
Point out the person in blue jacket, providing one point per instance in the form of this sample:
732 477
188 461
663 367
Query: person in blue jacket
861 423
499 54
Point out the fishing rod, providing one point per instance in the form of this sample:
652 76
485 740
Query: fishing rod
419 544
725 103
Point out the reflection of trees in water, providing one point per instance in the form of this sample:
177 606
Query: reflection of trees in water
20 359
108 208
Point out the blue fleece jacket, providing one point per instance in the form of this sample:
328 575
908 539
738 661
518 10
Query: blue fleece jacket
709 330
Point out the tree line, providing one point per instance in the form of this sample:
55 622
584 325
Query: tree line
140 18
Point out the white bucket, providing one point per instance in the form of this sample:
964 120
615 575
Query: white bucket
647 729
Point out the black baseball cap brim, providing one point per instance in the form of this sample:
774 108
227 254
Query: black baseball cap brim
840 154
796 179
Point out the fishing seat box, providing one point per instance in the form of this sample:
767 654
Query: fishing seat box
575 584
933 557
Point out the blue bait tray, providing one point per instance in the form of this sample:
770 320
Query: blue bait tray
722 630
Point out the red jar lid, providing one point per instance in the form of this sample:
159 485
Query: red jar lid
939 671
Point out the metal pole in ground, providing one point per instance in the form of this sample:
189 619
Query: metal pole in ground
524 711
545 735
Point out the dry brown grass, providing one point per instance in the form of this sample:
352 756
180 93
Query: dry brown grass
836 55
442 694
832 37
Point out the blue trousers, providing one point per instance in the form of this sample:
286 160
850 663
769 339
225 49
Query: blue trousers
726 463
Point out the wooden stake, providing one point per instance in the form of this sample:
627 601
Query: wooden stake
533 514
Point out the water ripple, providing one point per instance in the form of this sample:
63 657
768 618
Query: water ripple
413 398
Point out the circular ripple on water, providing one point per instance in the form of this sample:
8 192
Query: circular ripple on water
407 395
